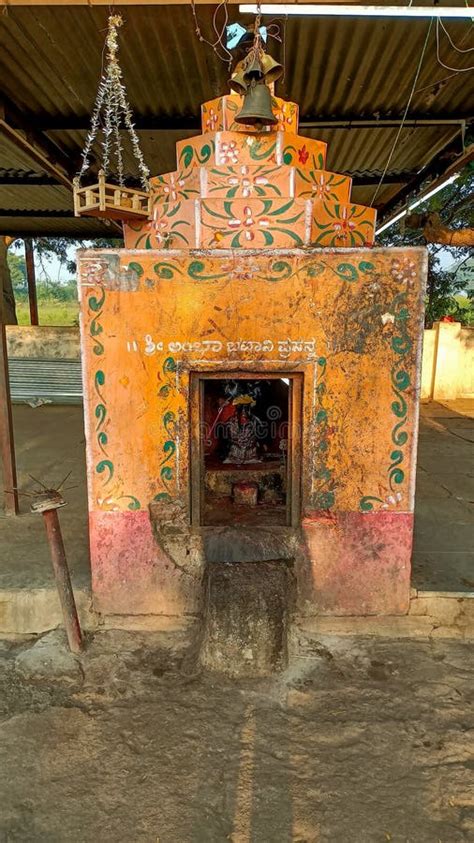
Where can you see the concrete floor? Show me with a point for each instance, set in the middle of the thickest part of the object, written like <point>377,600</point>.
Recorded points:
<point>50,443</point>
<point>359,741</point>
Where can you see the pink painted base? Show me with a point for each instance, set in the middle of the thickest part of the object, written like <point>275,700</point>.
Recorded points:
<point>356,564</point>
<point>131,575</point>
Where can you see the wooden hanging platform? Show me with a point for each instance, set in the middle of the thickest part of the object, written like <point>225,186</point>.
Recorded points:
<point>111,201</point>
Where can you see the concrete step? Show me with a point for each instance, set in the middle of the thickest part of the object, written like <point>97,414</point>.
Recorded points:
<point>32,611</point>
<point>431,615</point>
<point>247,607</point>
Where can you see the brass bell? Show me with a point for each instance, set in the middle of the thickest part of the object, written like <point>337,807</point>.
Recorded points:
<point>257,106</point>
<point>237,82</point>
<point>272,70</point>
<point>253,69</point>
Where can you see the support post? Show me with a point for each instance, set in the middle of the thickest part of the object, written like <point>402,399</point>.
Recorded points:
<point>31,280</point>
<point>6,430</point>
<point>48,504</point>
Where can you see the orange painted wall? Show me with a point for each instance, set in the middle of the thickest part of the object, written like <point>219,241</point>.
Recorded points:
<point>350,320</point>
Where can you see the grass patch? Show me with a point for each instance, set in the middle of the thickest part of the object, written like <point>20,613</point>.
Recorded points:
<point>50,312</point>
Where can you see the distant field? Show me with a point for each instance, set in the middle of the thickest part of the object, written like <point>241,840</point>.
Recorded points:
<point>50,313</point>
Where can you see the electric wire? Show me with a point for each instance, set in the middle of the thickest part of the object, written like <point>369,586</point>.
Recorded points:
<point>453,45</point>
<point>400,128</point>
<point>446,66</point>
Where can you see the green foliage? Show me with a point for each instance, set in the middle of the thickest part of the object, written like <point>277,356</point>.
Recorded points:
<point>57,300</point>
<point>450,270</point>
<point>17,266</point>
<point>444,296</point>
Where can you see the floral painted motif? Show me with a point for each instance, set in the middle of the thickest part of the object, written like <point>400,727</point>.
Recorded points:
<point>212,120</point>
<point>171,190</point>
<point>169,228</point>
<point>287,116</point>
<point>246,182</point>
<point>323,493</point>
<point>303,154</point>
<point>264,222</point>
<point>401,345</point>
<point>167,387</point>
<point>342,225</point>
<point>248,222</point>
<point>229,152</point>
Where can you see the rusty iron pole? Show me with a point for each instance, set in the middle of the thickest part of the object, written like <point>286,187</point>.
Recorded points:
<point>7,444</point>
<point>31,280</point>
<point>48,504</point>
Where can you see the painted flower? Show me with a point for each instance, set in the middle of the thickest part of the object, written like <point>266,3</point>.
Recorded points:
<point>320,188</point>
<point>246,182</point>
<point>229,153</point>
<point>241,270</point>
<point>403,269</point>
<point>343,226</point>
<point>303,154</point>
<point>392,500</point>
<point>170,189</point>
<point>283,119</point>
<point>386,318</point>
<point>212,120</point>
<point>160,230</point>
<point>96,271</point>
<point>248,222</point>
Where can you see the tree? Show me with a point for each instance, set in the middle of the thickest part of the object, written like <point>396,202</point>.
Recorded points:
<point>7,298</point>
<point>14,270</point>
<point>17,266</point>
<point>47,247</point>
<point>451,211</point>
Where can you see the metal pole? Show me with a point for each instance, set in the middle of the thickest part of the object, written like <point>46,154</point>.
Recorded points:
<point>47,504</point>
<point>31,279</point>
<point>7,444</point>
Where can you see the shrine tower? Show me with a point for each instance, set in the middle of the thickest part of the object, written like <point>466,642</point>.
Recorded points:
<point>238,188</point>
<point>251,280</point>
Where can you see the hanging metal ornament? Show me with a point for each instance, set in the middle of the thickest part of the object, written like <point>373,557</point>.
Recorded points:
<point>112,112</point>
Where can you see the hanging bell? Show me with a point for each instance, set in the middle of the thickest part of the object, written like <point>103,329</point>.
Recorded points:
<point>272,70</point>
<point>238,83</point>
<point>257,106</point>
<point>253,70</point>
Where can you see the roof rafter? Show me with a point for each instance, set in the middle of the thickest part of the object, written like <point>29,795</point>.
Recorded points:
<point>442,166</point>
<point>66,123</point>
<point>26,180</point>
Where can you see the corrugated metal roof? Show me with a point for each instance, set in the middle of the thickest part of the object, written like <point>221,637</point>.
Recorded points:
<point>53,381</point>
<point>50,60</point>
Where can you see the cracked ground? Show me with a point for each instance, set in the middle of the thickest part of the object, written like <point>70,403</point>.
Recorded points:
<point>360,740</point>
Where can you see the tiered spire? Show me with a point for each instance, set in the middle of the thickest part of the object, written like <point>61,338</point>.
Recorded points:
<point>249,187</point>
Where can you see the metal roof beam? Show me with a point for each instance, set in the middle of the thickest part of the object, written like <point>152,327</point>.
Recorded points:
<point>72,123</point>
<point>22,180</point>
<point>27,135</point>
<point>29,212</point>
<point>361,180</point>
<point>36,153</point>
<point>443,165</point>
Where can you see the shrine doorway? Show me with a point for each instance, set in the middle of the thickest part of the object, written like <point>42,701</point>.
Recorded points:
<point>245,448</point>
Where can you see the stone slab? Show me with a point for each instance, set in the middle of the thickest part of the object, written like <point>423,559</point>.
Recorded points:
<point>246,615</point>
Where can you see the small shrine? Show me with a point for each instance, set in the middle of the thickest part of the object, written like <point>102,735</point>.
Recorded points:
<point>251,368</point>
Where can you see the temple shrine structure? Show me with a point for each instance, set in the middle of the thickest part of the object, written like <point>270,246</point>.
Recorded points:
<point>251,378</point>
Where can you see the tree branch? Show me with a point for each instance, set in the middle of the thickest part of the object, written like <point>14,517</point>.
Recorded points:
<point>434,231</point>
